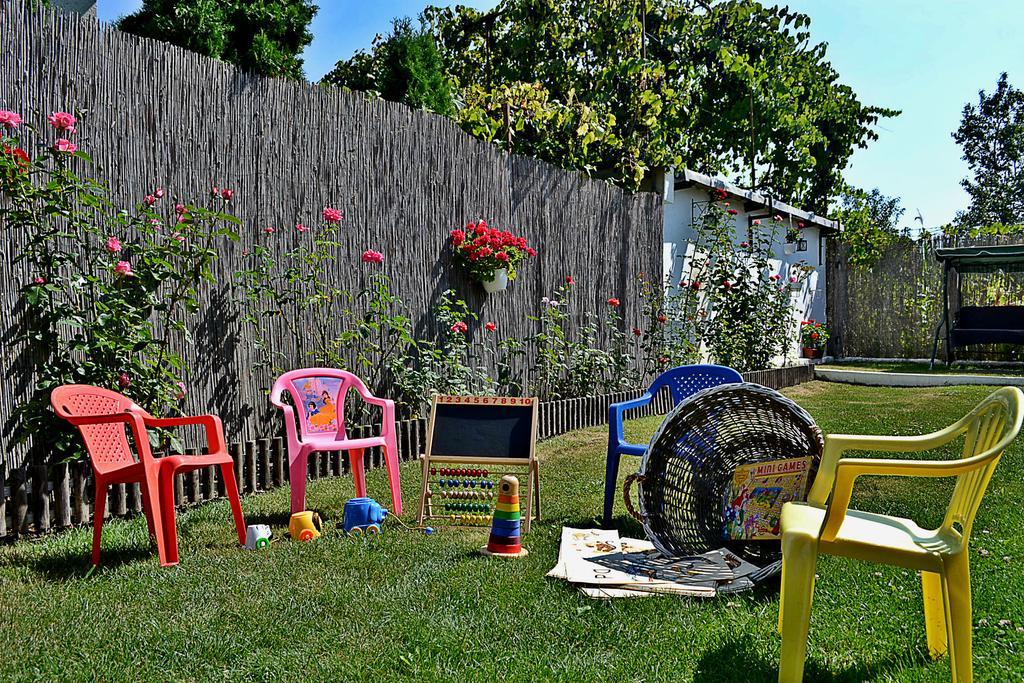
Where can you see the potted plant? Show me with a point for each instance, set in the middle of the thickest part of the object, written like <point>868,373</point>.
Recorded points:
<point>813,336</point>
<point>489,255</point>
<point>792,238</point>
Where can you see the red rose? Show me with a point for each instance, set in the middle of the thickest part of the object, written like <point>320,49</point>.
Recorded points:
<point>479,241</point>
<point>569,280</point>
<point>613,302</point>
<point>460,327</point>
<point>814,335</point>
<point>490,327</point>
<point>726,284</point>
<point>662,318</point>
<point>530,251</point>
<point>744,245</point>
<point>733,212</point>
<point>637,332</point>
<point>695,285</point>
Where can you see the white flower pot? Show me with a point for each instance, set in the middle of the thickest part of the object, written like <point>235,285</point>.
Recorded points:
<point>789,248</point>
<point>498,284</point>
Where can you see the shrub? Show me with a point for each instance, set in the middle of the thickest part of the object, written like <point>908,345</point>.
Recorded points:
<point>110,291</point>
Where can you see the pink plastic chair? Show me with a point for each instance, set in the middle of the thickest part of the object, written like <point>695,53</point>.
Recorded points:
<point>101,416</point>
<point>319,395</point>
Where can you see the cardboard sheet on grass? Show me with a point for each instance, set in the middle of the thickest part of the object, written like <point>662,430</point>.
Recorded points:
<point>605,566</point>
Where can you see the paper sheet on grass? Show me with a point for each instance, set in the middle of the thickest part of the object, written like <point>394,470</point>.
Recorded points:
<point>598,558</point>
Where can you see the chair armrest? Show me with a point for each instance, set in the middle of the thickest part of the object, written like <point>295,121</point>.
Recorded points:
<point>388,406</point>
<point>215,441</point>
<point>837,444</point>
<point>848,469</point>
<point>616,410</point>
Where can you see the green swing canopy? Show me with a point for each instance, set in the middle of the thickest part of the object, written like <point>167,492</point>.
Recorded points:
<point>966,325</point>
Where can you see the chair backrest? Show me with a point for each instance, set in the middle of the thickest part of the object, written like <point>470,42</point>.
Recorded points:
<point>686,380</point>
<point>107,444</point>
<point>319,398</point>
<point>988,430</point>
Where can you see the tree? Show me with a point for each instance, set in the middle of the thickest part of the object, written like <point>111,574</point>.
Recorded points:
<point>992,137</point>
<point>624,87</point>
<point>405,67</point>
<point>264,36</point>
<point>870,224</point>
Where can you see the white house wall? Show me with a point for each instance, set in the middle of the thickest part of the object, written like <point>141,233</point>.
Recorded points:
<point>809,301</point>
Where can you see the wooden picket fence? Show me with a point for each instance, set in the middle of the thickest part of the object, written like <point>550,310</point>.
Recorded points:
<point>39,499</point>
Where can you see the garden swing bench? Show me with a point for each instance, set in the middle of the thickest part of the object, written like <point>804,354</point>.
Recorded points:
<point>966,325</point>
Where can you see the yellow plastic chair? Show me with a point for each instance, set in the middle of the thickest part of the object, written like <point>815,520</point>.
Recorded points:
<point>824,526</point>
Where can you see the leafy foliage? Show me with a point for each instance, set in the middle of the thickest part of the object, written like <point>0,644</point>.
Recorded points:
<point>869,221</point>
<point>406,67</point>
<point>992,137</point>
<point>263,36</point>
<point>111,292</point>
<point>621,88</point>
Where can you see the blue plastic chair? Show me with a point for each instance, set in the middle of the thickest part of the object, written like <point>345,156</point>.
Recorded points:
<point>682,382</point>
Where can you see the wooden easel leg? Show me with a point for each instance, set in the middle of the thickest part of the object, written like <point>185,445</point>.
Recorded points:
<point>536,485</point>
<point>423,491</point>
<point>528,508</point>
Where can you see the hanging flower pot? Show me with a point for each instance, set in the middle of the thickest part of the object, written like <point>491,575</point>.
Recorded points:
<point>489,255</point>
<point>789,248</point>
<point>498,284</point>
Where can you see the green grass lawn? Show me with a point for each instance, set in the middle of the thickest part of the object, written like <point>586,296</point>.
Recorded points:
<point>939,369</point>
<point>404,606</point>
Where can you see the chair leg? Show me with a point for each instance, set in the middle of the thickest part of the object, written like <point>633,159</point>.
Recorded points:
<point>391,461</point>
<point>231,489</point>
<point>799,559</point>
<point>147,509</point>
<point>957,584</point>
<point>934,614</point>
<point>169,551</point>
<point>355,461</point>
<point>297,473</point>
<point>611,476</point>
<point>152,498</point>
<point>99,509</point>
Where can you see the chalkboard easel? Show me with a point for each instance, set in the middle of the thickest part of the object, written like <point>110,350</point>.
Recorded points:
<point>478,439</point>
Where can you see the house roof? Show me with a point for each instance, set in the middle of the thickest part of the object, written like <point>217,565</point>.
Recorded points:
<point>770,204</point>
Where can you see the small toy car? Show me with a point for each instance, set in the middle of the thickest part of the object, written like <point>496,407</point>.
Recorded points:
<point>363,515</point>
<point>304,526</point>
<point>257,536</point>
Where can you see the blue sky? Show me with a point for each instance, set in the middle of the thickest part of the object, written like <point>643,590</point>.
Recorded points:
<point>925,57</point>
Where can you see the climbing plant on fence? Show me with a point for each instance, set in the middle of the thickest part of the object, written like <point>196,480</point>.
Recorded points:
<point>110,290</point>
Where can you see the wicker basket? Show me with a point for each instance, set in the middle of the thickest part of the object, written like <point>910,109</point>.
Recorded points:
<point>687,471</point>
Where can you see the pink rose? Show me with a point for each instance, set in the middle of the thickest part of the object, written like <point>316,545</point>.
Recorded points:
<point>756,222</point>
<point>268,230</point>
<point>490,327</point>
<point>332,215</point>
<point>65,145</point>
<point>179,209</point>
<point>124,269</point>
<point>9,119</point>
<point>61,120</point>
<point>371,256</point>
<point>300,227</point>
<point>159,192</point>
<point>792,280</point>
<point>39,281</point>
<point>149,200</point>
<point>113,244</point>
<point>744,245</point>
<point>227,195</point>
<point>155,222</point>
<point>178,237</point>
<point>460,327</point>
<point>124,381</point>
<point>181,391</point>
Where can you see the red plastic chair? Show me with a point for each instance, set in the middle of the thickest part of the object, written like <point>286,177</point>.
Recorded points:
<point>319,394</point>
<point>100,416</point>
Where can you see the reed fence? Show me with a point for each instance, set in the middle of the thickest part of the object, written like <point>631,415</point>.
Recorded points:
<point>37,499</point>
<point>154,115</point>
<point>891,310</point>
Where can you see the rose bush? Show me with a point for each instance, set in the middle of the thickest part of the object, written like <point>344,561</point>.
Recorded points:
<point>109,293</point>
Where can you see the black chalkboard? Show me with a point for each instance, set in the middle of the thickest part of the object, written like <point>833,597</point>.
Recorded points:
<point>482,430</point>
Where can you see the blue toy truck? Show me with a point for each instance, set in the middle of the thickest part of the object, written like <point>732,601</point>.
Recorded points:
<point>363,516</point>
